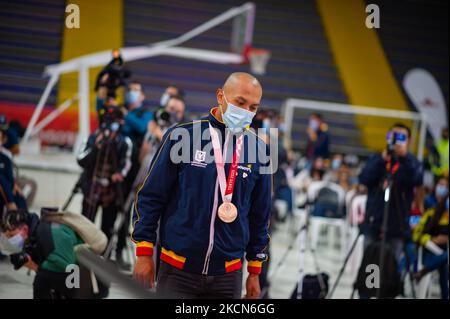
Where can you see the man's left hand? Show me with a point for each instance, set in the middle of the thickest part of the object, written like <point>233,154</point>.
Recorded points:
<point>17,190</point>
<point>252,287</point>
<point>30,264</point>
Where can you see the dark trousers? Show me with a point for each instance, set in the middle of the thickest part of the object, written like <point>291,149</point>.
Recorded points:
<point>127,189</point>
<point>109,214</point>
<point>123,233</point>
<point>174,283</point>
<point>51,285</point>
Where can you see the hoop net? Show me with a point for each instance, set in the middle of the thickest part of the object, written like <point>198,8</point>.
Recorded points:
<point>258,59</point>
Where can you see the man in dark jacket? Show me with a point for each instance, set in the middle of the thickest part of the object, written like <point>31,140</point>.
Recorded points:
<point>407,173</point>
<point>207,223</point>
<point>10,194</point>
<point>106,161</point>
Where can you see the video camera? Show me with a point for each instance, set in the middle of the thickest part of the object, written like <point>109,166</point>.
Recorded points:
<point>116,75</point>
<point>164,119</point>
<point>110,118</point>
<point>395,138</point>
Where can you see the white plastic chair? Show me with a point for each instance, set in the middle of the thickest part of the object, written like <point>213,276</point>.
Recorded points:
<point>330,223</point>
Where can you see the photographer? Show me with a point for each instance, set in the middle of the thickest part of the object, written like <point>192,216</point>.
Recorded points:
<point>170,91</point>
<point>405,171</point>
<point>106,160</point>
<point>47,248</point>
<point>172,113</point>
<point>136,115</point>
<point>111,77</point>
<point>136,120</point>
<point>164,118</point>
<point>10,194</point>
<point>407,174</point>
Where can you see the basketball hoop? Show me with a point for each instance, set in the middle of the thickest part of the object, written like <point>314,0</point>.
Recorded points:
<point>258,59</point>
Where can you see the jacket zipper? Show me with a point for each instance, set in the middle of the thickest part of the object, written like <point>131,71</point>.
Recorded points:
<point>214,213</point>
<point>211,231</point>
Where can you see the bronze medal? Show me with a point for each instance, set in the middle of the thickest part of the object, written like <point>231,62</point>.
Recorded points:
<point>227,212</point>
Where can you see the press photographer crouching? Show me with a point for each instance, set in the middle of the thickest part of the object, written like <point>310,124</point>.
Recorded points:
<point>106,161</point>
<point>48,246</point>
<point>390,178</point>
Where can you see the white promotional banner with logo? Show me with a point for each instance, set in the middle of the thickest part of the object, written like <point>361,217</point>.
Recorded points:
<point>424,91</point>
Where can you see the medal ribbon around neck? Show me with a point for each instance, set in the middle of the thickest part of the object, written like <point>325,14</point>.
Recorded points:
<point>226,185</point>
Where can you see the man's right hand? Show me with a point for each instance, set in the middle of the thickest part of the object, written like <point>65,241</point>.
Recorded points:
<point>11,206</point>
<point>98,140</point>
<point>386,156</point>
<point>144,271</point>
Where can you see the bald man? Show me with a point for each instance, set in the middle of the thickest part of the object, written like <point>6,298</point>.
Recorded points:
<point>209,188</point>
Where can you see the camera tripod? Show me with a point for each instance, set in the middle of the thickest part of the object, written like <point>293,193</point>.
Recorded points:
<point>301,236</point>
<point>387,190</point>
<point>94,196</point>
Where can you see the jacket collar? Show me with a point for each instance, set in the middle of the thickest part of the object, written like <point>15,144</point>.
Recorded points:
<point>213,120</point>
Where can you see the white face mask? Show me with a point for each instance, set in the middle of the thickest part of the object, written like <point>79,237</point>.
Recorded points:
<point>13,245</point>
<point>164,99</point>
<point>236,118</point>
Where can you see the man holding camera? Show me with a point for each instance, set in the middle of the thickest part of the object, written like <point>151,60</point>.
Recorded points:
<point>171,114</point>
<point>47,246</point>
<point>106,160</point>
<point>164,118</point>
<point>170,91</point>
<point>405,172</point>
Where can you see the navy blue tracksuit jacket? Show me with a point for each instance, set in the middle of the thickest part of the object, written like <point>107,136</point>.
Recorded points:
<point>184,196</point>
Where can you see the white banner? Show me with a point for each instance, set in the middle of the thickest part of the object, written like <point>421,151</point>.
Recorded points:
<point>423,90</point>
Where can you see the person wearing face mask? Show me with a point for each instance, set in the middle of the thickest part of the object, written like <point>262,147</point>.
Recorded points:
<point>440,192</point>
<point>405,172</point>
<point>47,248</point>
<point>170,91</point>
<point>106,160</point>
<point>136,119</point>
<point>212,203</point>
<point>432,233</point>
<point>336,163</point>
<point>174,111</point>
<point>318,138</point>
<point>136,115</point>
